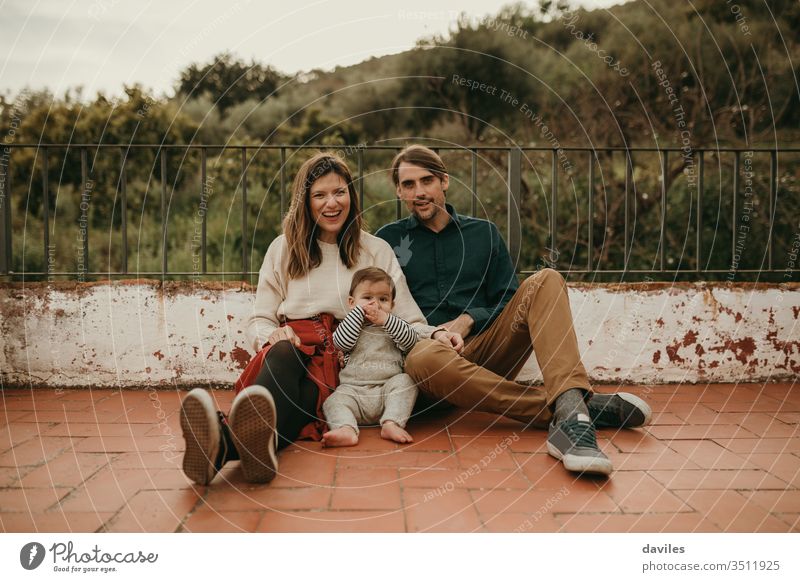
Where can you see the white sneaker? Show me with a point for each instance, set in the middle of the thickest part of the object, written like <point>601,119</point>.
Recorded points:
<point>205,452</point>
<point>252,426</point>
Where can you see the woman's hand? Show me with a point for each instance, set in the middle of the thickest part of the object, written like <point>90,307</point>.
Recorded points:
<point>449,338</point>
<point>284,333</point>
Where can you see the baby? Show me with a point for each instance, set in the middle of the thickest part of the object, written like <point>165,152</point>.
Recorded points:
<point>372,385</point>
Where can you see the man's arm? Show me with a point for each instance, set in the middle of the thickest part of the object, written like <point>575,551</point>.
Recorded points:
<point>348,331</point>
<point>501,284</point>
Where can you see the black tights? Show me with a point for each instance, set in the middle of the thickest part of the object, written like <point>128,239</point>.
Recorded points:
<point>285,375</point>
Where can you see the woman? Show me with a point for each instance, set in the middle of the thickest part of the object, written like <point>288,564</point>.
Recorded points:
<point>302,292</point>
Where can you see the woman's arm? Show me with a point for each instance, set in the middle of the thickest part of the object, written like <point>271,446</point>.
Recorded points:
<point>269,296</point>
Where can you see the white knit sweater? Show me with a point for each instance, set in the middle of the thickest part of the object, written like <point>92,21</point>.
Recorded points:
<point>324,289</point>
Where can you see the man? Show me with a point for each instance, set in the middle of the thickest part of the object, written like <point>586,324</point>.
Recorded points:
<point>460,273</point>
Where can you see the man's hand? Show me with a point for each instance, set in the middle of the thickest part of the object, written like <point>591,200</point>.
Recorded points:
<point>461,325</point>
<point>449,338</point>
<point>284,333</point>
<point>375,314</point>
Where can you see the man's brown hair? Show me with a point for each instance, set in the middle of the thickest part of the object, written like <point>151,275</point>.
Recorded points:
<point>419,156</point>
<point>371,275</point>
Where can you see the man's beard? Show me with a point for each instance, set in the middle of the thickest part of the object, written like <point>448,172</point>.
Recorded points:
<point>426,212</point>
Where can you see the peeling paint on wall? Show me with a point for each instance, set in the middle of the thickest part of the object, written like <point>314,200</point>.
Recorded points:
<point>141,333</point>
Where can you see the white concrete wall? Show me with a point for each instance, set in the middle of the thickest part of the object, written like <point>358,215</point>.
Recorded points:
<point>145,334</point>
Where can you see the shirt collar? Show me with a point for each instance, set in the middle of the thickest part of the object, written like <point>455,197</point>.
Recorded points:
<point>412,222</point>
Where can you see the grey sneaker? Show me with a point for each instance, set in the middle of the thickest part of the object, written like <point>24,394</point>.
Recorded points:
<point>206,450</point>
<point>252,425</point>
<point>621,410</point>
<point>574,442</point>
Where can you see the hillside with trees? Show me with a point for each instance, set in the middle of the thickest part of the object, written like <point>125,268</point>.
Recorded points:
<point>653,74</point>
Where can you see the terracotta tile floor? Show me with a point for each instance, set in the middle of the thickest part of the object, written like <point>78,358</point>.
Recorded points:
<point>716,458</point>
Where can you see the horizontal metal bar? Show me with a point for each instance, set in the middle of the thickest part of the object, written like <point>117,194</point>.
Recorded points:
<point>131,275</point>
<point>465,148</point>
<point>523,272</point>
<point>657,272</point>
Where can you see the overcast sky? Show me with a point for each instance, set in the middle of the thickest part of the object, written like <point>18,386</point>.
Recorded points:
<point>103,44</point>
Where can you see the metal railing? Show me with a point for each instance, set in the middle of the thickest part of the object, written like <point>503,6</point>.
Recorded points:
<point>515,166</point>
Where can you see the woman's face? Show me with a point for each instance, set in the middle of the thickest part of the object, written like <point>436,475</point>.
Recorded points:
<point>329,200</point>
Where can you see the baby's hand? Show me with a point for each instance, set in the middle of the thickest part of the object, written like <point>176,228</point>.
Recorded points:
<point>375,314</point>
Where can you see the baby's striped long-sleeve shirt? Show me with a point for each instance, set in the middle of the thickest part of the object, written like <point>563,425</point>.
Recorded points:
<point>349,330</point>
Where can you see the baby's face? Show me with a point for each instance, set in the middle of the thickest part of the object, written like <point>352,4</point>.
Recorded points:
<point>377,293</point>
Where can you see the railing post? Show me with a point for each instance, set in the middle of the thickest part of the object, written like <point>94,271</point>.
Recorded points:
<point>360,179</point>
<point>736,162</point>
<point>398,204</point>
<point>701,174</point>
<point>590,234</point>
<point>514,200</point>
<point>45,204</point>
<point>283,182</point>
<point>626,235</point>
<point>204,208</point>
<point>163,212</point>
<point>245,244</point>
<point>553,252</point>
<point>474,183</point>
<point>663,219</point>
<point>5,213</point>
<point>86,192</point>
<point>773,196</point>
<point>123,194</point>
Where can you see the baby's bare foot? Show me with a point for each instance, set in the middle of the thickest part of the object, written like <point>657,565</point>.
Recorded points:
<point>341,437</point>
<point>392,432</point>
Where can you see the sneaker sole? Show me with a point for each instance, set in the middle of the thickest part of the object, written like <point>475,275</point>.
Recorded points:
<point>640,416</point>
<point>201,432</point>
<point>641,405</point>
<point>252,424</point>
<point>579,464</point>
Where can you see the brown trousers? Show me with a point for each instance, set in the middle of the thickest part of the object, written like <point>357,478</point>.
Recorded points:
<point>538,319</point>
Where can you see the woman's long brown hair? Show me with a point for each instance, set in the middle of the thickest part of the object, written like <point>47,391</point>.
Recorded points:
<point>300,229</point>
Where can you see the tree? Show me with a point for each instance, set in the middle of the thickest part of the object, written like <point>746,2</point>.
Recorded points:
<point>229,81</point>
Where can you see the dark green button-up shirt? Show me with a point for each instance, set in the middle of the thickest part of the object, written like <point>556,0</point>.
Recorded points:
<point>465,268</point>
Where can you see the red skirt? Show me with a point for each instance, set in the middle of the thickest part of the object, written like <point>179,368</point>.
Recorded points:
<point>316,337</point>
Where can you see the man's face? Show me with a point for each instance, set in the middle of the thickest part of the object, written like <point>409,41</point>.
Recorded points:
<point>422,191</point>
